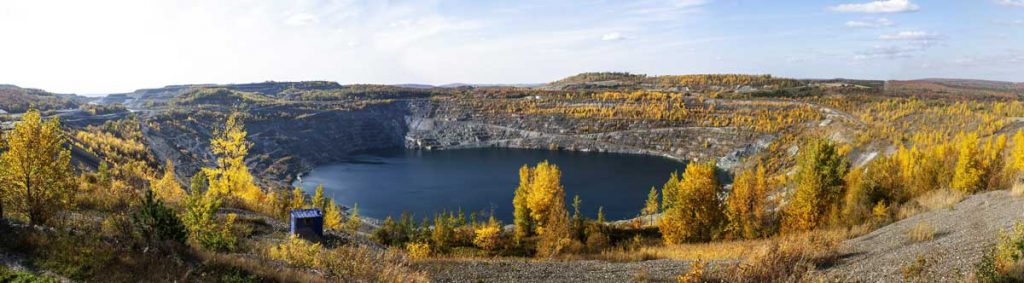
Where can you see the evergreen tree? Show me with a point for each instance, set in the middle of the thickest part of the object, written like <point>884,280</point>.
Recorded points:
<point>35,171</point>
<point>651,206</point>
<point>354,222</point>
<point>200,182</point>
<point>669,191</point>
<point>818,186</point>
<point>523,223</point>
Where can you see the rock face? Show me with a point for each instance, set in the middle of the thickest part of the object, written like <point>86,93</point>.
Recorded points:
<point>292,138</point>
<point>282,147</point>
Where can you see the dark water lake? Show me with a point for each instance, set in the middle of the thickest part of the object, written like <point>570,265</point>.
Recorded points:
<point>423,182</point>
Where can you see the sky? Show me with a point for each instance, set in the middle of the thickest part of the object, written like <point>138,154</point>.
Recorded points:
<point>111,46</point>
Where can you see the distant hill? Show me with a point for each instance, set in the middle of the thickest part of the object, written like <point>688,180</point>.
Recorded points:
<point>698,82</point>
<point>14,99</point>
<point>956,88</point>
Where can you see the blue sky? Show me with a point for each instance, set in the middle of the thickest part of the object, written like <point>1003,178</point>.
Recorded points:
<point>93,47</point>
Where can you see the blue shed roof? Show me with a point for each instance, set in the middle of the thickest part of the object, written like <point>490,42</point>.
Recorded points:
<point>307,213</point>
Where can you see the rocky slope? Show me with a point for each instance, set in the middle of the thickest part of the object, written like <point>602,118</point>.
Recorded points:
<point>963,234</point>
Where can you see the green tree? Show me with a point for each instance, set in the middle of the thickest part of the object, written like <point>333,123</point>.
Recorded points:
<point>200,182</point>
<point>523,223</point>
<point>651,206</point>
<point>35,171</point>
<point>203,231</point>
<point>818,186</point>
<point>669,191</point>
<point>157,222</point>
<point>354,222</point>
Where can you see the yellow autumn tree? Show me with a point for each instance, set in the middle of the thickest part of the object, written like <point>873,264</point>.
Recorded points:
<point>167,188</point>
<point>746,206</point>
<point>818,187</point>
<point>319,201</point>
<point>696,211</point>
<point>1016,162</point>
<point>967,175</point>
<point>231,177</point>
<point>488,236</point>
<point>545,193</point>
<point>298,199</point>
<point>332,216</point>
<point>35,169</point>
<point>540,207</point>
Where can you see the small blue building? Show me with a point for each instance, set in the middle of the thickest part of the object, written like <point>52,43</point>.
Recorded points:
<point>307,223</point>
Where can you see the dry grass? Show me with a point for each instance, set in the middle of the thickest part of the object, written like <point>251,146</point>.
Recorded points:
<point>259,267</point>
<point>729,250</point>
<point>932,200</point>
<point>922,232</point>
<point>1017,189</point>
<point>789,258</point>
<point>696,273</point>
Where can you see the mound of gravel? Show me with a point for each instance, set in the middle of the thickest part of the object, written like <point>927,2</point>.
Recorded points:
<point>963,234</point>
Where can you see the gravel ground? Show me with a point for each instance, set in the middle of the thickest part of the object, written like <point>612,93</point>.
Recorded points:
<point>521,270</point>
<point>962,235</point>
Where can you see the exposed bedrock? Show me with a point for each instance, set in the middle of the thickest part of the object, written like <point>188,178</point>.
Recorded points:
<point>286,147</point>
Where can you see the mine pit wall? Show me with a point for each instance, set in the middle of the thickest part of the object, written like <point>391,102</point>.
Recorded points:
<point>284,148</point>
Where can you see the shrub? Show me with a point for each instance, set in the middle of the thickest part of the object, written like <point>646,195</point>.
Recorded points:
<point>345,263</point>
<point>921,232</point>
<point>695,274</point>
<point>790,258</point>
<point>488,236</point>
<point>915,271</point>
<point>418,250</point>
<point>17,276</point>
<point>154,221</point>
<point>1005,262</point>
<point>200,209</point>
<point>296,251</point>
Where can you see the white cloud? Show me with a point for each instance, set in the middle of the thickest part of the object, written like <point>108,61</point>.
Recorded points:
<point>301,19</point>
<point>876,23</point>
<point>890,52</point>
<point>910,35</point>
<point>1013,3</point>
<point>881,6</point>
<point>612,36</point>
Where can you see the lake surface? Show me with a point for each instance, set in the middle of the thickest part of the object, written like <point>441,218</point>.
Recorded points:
<point>423,182</point>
